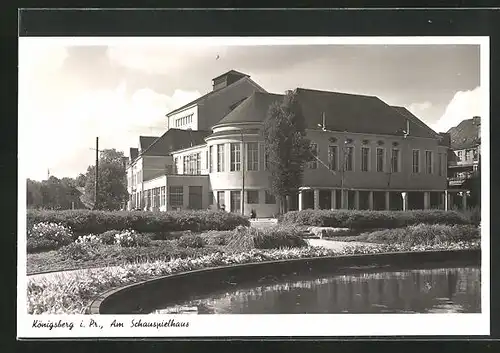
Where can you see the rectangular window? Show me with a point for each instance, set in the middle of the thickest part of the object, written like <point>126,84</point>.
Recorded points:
<point>270,198</point>
<point>332,157</point>
<point>380,159</point>
<point>176,167</point>
<point>428,162</point>
<point>210,159</point>
<point>314,150</point>
<point>220,198</point>
<point>468,155</point>
<point>349,158</point>
<point>252,156</point>
<point>365,158</point>
<point>459,156</point>
<point>185,161</point>
<point>198,163</point>
<point>163,196</point>
<point>235,157</point>
<point>206,159</point>
<point>395,161</point>
<point>416,161</point>
<point>253,196</point>
<point>176,196</point>
<point>475,154</point>
<point>220,158</point>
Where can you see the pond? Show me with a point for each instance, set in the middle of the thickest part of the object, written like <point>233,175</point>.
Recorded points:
<point>430,290</point>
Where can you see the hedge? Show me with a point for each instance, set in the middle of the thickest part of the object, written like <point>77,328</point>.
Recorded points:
<point>355,219</point>
<point>96,222</point>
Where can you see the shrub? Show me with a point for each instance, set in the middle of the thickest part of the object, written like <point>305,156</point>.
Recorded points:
<point>356,219</point>
<point>424,234</point>
<point>48,236</point>
<point>109,237</point>
<point>473,214</point>
<point>97,222</point>
<point>89,238</point>
<point>130,239</point>
<point>269,238</point>
<point>191,241</point>
<point>80,251</point>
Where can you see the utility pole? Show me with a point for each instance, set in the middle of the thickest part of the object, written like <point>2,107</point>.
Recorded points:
<point>96,193</point>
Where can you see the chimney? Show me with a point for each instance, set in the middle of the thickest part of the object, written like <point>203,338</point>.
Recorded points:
<point>324,121</point>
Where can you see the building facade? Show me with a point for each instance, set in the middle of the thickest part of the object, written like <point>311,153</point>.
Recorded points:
<point>465,161</point>
<point>368,155</point>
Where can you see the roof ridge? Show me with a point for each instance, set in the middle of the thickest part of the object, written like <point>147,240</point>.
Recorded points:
<point>336,92</point>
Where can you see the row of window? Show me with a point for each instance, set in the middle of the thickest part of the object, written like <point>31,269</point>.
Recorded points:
<point>334,159</point>
<point>135,178</point>
<point>469,155</point>
<point>155,198</point>
<point>188,119</point>
<point>380,160</point>
<point>217,152</point>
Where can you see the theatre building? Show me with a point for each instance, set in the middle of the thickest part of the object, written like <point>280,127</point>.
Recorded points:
<point>369,155</point>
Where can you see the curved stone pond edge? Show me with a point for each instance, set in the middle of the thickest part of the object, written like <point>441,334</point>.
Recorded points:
<point>141,297</point>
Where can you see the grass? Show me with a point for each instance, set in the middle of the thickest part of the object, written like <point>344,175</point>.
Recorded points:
<point>71,293</point>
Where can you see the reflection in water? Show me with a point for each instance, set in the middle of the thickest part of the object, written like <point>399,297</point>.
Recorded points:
<point>443,290</point>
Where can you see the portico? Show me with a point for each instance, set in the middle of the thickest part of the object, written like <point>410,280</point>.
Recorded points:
<point>362,199</point>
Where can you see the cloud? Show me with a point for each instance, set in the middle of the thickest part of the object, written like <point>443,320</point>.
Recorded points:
<point>463,105</point>
<point>68,136</point>
<point>417,108</point>
<point>165,59</point>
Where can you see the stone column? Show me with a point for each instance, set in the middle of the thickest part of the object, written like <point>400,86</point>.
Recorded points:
<point>405,201</point>
<point>464,200</point>
<point>316,199</point>
<point>447,200</point>
<point>387,200</point>
<point>333,199</point>
<point>356,200</point>
<point>427,200</point>
<point>300,200</point>
<point>370,200</point>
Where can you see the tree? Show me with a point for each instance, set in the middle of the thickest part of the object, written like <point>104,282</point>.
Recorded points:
<point>53,193</point>
<point>287,147</point>
<point>112,189</point>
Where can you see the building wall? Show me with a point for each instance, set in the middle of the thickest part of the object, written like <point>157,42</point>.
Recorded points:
<point>187,152</point>
<point>186,182</point>
<point>216,106</point>
<point>371,179</point>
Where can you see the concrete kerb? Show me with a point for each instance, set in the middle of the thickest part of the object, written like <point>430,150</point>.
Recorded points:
<point>133,298</point>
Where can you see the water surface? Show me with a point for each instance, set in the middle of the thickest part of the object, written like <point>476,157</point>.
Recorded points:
<point>437,290</point>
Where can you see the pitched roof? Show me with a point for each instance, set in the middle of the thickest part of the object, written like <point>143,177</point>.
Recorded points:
<point>406,113</point>
<point>252,109</point>
<point>343,112</point>
<point>134,152</point>
<point>205,96</point>
<point>465,134</point>
<point>146,141</point>
<point>175,139</point>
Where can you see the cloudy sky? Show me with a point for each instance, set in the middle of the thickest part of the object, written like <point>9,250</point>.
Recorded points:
<point>70,93</point>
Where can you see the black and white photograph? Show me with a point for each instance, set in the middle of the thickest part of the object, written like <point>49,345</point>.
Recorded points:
<point>187,186</point>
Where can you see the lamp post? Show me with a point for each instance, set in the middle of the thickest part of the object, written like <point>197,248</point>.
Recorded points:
<point>242,174</point>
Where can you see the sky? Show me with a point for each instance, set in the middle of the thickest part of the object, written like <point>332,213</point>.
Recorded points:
<point>69,93</point>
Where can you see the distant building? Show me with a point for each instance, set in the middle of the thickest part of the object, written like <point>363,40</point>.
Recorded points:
<point>369,155</point>
<point>464,159</point>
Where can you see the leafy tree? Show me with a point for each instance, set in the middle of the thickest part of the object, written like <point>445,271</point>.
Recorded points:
<point>286,146</point>
<point>112,187</point>
<point>54,193</point>
<point>81,180</point>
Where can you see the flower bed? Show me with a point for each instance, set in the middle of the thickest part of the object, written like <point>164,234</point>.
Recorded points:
<point>71,293</point>
<point>83,222</point>
<point>355,219</point>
